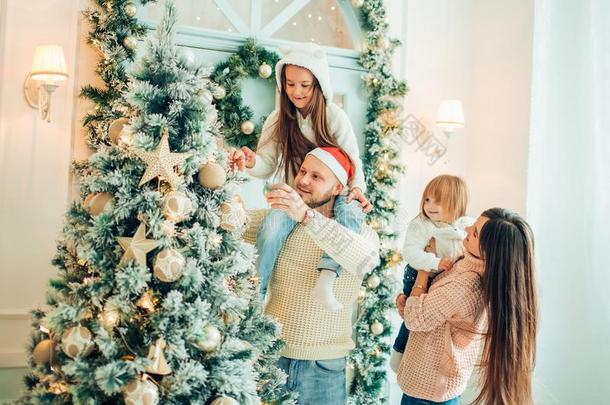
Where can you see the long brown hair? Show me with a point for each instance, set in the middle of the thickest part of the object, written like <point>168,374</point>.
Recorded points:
<point>509,292</point>
<point>292,144</point>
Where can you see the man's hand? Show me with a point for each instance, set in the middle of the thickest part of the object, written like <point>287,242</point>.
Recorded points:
<point>401,301</point>
<point>285,198</point>
<point>358,195</point>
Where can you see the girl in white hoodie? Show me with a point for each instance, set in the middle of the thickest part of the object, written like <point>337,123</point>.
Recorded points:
<point>306,119</point>
<point>442,217</point>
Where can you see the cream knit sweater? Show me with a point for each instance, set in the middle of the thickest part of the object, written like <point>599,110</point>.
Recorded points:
<point>310,331</point>
<point>446,332</point>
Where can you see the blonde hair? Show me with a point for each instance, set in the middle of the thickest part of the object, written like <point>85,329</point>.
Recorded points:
<point>450,192</point>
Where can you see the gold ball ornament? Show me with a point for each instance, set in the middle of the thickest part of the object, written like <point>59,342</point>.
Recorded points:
<point>373,281</point>
<point>130,42</point>
<point>247,127</point>
<point>77,342</point>
<point>116,128</point>
<point>395,259</point>
<point>169,265</point>
<point>264,70</point>
<point>219,93</point>
<point>211,341</point>
<point>176,206</point>
<point>141,392</point>
<point>205,94</point>
<point>110,316</point>
<point>58,387</point>
<point>212,176</point>
<point>376,328</point>
<point>233,216</point>
<point>147,301</point>
<point>45,352</point>
<point>96,203</point>
<point>224,401</point>
<point>130,9</point>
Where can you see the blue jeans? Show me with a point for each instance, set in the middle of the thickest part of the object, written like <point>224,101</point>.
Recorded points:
<point>276,227</point>
<point>316,381</point>
<point>408,281</point>
<point>407,400</point>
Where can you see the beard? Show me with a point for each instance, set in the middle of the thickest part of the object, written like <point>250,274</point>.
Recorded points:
<point>322,200</point>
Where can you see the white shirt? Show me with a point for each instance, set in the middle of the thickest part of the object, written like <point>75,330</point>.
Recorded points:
<point>449,242</point>
<point>267,155</point>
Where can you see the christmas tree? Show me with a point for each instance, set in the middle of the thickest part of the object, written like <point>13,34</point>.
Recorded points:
<point>155,299</point>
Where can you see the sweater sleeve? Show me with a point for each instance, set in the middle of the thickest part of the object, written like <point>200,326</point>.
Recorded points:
<point>357,253</point>
<point>453,300</point>
<point>416,239</point>
<point>255,219</point>
<point>267,159</point>
<point>344,134</point>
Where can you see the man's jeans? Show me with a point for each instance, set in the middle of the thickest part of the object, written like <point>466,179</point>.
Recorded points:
<point>316,381</point>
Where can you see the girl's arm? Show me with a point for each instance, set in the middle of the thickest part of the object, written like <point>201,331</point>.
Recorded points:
<point>415,242</point>
<point>266,150</point>
<point>344,134</point>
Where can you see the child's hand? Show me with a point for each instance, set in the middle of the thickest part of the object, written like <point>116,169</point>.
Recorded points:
<point>249,156</point>
<point>237,159</point>
<point>401,301</point>
<point>445,264</point>
<point>358,195</point>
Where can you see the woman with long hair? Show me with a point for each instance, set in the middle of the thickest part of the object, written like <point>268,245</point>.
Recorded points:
<point>487,299</point>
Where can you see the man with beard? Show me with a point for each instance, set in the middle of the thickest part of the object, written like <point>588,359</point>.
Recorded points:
<point>317,340</point>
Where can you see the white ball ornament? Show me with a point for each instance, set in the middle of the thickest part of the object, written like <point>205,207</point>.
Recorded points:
<point>247,127</point>
<point>169,265</point>
<point>130,42</point>
<point>77,342</point>
<point>212,176</point>
<point>357,3</point>
<point>96,203</point>
<point>130,9</point>
<point>373,281</point>
<point>224,401</point>
<point>176,206</point>
<point>219,93</point>
<point>232,215</point>
<point>141,392</point>
<point>212,338</point>
<point>264,70</point>
<point>116,128</point>
<point>376,328</point>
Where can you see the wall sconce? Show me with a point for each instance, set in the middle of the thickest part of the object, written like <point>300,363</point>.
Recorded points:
<point>450,116</point>
<point>48,69</point>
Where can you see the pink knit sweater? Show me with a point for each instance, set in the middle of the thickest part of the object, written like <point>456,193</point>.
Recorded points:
<point>446,332</point>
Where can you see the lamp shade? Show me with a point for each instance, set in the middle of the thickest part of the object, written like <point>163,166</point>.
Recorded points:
<point>49,64</point>
<point>450,115</point>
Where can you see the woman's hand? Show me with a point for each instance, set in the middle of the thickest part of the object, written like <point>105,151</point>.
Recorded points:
<point>358,195</point>
<point>445,264</point>
<point>285,198</point>
<point>250,157</point>
<point>401,301</point>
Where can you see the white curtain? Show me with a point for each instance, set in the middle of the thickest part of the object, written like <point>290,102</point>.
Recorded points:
<point>569,199</point>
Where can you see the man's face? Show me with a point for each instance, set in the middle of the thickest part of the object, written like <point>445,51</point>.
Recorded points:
<point>316,183</point>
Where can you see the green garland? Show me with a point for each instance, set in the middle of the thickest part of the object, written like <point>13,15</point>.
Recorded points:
<point>233,114</point>
<point>381,168</point>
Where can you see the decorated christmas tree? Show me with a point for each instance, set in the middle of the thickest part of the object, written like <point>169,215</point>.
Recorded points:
<point>155,299</point>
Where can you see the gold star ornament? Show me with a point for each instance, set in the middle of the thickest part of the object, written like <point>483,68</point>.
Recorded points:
<point>161,162</point>
<point>136,247</point>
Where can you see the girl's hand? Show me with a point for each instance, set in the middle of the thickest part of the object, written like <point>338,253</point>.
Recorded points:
<point>237,159</point>
<point>401,301</point>
<point>445,264</point>
<point>358,195</point>
<point>250,157</point>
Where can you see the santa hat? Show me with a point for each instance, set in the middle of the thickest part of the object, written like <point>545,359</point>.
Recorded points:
<point>337,161</point>
<point>310,56</point>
